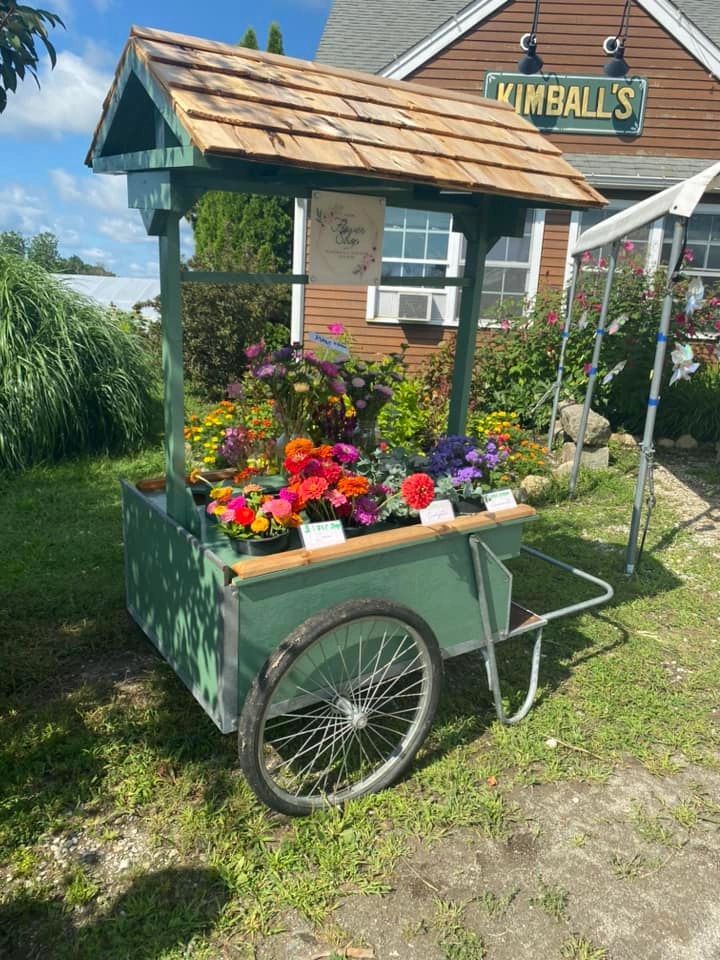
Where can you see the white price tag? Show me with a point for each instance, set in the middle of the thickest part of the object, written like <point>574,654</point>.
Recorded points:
<point>324,534</point>
<point>499,500</point>
<point>439,511</point>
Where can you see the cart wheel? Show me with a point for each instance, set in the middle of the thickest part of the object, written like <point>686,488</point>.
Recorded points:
<point>341,708</point>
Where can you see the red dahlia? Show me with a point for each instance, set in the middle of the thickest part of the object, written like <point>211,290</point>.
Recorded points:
<point>418,491</point>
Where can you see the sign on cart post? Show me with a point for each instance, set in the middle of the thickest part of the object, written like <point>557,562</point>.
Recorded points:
<point>346,235</point>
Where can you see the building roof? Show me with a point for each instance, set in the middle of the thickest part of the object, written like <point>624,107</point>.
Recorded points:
<point>607,171</point>
<point>241,103</point>
<point>121,292</point>
<point>370,35</point>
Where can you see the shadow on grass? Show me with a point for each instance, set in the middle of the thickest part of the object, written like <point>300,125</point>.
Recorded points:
<point>159,912</point>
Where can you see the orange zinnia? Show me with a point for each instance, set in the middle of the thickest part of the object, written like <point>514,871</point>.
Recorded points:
<point>353,486</point>
<point>323,452</point>
<point>301,446</point>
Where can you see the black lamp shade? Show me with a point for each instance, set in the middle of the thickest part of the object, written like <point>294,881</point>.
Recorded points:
<point>530,62</point>
<point>616,65</point>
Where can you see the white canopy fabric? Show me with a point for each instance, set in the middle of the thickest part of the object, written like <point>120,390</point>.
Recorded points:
<point>120,292</point>
<point>679,200</point>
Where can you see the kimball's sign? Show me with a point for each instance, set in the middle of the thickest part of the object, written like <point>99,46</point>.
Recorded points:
<point>573,104</point>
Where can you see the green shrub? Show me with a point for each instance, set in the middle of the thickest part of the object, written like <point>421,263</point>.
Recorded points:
<point>73,377</point>
<point>408,421</point>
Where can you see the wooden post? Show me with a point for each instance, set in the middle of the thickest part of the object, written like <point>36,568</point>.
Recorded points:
<point>478,244</point>
<point>180,504</point>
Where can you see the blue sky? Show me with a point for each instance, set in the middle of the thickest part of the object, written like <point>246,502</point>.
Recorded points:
<point>44,134</point>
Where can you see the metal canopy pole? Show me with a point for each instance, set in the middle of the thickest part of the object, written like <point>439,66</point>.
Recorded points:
<point>180,504</point>
<point>477,247</point>
<point>563,347</point>
<point>646,447</point>
<point>592,377</point>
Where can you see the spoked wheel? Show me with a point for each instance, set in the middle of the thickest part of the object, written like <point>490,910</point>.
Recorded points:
<point>341,709</point>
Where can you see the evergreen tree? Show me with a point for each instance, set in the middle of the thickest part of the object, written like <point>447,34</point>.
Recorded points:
<point>235,227</point>
<point>12,242</point>
<point>249,40</point>
<point>275,43</point>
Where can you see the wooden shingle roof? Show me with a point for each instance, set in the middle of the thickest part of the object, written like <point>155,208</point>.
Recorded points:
<point>261,107</point>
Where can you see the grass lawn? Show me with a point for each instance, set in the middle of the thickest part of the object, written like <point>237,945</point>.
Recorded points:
<point>126,829</point>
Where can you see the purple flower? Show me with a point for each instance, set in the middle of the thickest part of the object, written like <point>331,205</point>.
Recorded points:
<point>365,512</point>
<point>265,371</point>
<point>360,404</point>
<point>357,382</point>
<point>313,468</point>
<point>283,354</point>
<point>329,369</point>
<point>338,386</point>
<point>234,390</point>
<point>345,453</point>
<point>254,350</point>
<point>466,475</point>
<point>384,391</point>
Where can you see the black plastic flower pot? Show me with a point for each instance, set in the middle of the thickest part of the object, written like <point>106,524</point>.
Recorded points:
<point>261,546</point>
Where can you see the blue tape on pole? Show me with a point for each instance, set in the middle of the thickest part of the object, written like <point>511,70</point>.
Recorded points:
<point>560,369</point>
<point>566,334</point>
<point>653,403</point>
<point>661,338</point>
<point>593,371</point>
<point>599,331</point>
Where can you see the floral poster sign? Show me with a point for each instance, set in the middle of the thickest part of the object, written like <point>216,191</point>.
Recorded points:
<point>346,233</point>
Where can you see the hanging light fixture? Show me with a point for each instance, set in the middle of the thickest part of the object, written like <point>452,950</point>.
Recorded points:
<point>530,62</point>
<point>614,47</point>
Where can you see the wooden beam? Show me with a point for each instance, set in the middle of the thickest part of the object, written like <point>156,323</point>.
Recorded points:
<point>273,279</point>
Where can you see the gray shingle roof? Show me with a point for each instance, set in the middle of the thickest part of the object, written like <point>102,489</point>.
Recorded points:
<point>609,170</point>
<point>370,34</point>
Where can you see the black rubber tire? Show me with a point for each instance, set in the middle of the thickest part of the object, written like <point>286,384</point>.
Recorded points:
<point>252,719</point>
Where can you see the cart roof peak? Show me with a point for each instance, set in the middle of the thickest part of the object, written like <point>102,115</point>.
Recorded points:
<point>203,99</point>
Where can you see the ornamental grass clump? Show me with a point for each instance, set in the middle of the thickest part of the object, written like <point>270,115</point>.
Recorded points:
<point>74,378</point>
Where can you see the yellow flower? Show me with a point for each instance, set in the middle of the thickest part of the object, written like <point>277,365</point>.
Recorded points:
<point>260,524</point>
<point>208,459</point>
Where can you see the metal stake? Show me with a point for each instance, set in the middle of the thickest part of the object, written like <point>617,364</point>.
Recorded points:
<point>563,346</point>
<point>647,447</point>
<point>599,333</point>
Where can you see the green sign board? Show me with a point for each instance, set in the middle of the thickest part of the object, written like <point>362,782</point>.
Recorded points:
<point>573,104</point>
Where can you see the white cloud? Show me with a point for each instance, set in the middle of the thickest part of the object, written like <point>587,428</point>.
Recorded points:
<point>103,192</point>
<point>69,100</point>
<point>126,229</point>
<point>21,210</point>
<point>95,254</point>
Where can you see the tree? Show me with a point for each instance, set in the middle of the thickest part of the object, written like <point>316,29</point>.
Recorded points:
<point>20,28</point>
<point>234,227</point>
<point>77,265</point>
<point>275,42</point>
<point>249,40</point>
<point>43,250</point>
<point>12,242</point>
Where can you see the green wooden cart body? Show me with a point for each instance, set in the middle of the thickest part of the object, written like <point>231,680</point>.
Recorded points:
<point>217,630</point>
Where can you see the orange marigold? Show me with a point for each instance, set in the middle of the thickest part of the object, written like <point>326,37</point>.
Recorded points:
<point>353,486</point>
<point>300,446</point>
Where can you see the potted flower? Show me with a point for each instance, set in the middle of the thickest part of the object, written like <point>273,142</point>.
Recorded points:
<point>462,464</point>
<point>256,523</point>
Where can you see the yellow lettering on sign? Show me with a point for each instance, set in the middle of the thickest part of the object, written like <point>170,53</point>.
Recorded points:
<point>602,113</point>
<point>554,100</point>
<point>505,92</point>
<point>625,97</point>
<point>572,103</point>
<point>587,113</point>
<point>534,98</point>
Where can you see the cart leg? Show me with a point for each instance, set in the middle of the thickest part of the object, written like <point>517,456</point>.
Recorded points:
<point>488,653</point>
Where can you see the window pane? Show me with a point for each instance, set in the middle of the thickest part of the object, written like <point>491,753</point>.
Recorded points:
<point>713,259</point>
<point>499,251</point>
<point>390,269</point>
<point>394,217</point>
<point>416,219</point>
<point>392,243</point>
<point>439,221</point>
<point>699,228</point>
<point>515,281</point>
<point>414,246</point>
<point>518,249</point>
<point>437,246</point>
<point>493,280</point>
<point>488,302</point>
<point>435,270</point>
<point>412,270</point>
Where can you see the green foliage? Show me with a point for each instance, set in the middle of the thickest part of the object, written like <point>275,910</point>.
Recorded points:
<point>20,28</point>
<point>12,242</point>
<point>249,40</point>
<point>73,377</point>
<point>219,322</point>
<point>43,250</point>
<point>275,40</point>
<point>408,421</point>
<point>232,227</point>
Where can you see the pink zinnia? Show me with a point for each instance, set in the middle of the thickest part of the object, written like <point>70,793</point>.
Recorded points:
<point>345,453</point>
<point>628,246</point>
<point>551,319</point>
<point>227,515</point>
<point>336,328</point>
<point>336,498</point>
<point>688,256</point>
<point>504,324</point>
<point>254,350</point>
<point>278,508</point>
<point>236,503</point>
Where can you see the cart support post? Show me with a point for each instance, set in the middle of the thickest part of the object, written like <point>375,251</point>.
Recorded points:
<point>647,447</point>
<point>592,377</point>
<point>563,347</point>
<point>179,499</point>
<point>478,244</point>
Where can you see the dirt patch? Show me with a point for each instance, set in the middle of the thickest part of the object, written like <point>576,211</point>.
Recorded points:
<point>691,485</point>
<point>630,867</point>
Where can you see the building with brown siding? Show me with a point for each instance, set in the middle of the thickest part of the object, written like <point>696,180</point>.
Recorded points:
<point>673,46</point>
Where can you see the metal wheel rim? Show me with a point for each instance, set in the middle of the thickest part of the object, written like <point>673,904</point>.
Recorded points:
<point>387,686</point>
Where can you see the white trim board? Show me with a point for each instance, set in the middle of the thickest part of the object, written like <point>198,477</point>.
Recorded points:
<point>297,309</point>
<point>666,13</point>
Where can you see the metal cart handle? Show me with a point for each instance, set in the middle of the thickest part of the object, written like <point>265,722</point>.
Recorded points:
<point>607,594</point>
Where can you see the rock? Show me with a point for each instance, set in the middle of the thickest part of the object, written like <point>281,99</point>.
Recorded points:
<point>625,440</point>
<point>597,432</point>
<point>534,486</point>
<point>665,442</point>
<point>563,469</point>
<point>593,458</point>
<point>686,442</point>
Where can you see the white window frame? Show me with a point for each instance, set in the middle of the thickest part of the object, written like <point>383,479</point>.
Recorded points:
<point>454,266</point>
<point>712,209</point>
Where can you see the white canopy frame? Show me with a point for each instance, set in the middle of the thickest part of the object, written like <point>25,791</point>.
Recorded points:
<point>680,202</point>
